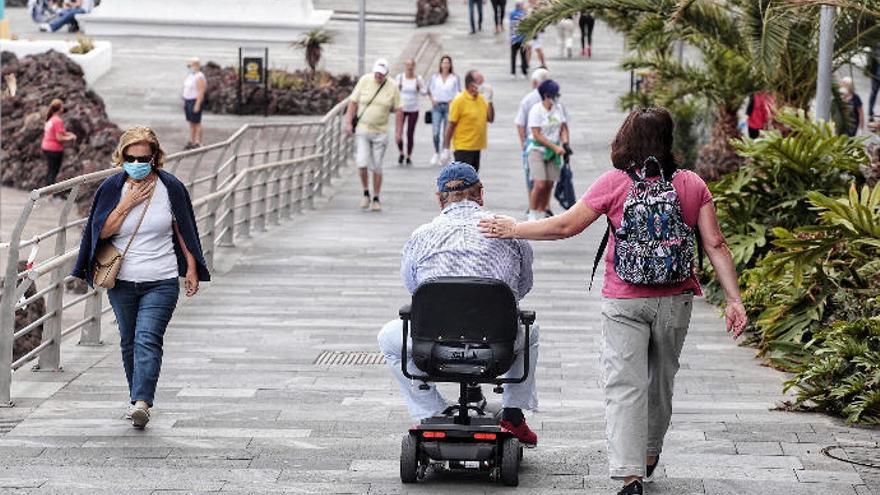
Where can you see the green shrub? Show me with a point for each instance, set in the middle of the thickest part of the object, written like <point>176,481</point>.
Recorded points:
<point>843,375</point>
<point>817,274</point>
<point>771,189</point>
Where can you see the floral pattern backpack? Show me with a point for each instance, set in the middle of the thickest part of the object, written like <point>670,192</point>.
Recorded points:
<point>653,246</point>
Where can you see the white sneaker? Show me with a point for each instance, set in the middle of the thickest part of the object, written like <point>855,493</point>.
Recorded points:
<point>45,27</point>
<point>533,215</point>
<point>365,202</point>
<point>435,159</point>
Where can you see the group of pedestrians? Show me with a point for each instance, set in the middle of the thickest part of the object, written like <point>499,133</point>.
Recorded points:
<point>459,116</point>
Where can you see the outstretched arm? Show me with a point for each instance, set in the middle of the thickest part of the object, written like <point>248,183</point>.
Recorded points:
<point>568,224</point>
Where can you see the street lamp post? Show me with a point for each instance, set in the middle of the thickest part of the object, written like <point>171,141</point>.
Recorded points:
<point>825,68</point>
<point>362,36</point>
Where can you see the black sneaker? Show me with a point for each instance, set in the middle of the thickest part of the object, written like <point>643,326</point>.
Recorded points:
<point>634,488</point>
<point>651,467</point>
<point>408,161</point>
<point>400,160</point>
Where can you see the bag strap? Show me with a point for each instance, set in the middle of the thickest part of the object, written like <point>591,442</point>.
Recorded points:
<point>361,113</point>
<point>699,248</point>
<point>602,246</point>
<point>140,221</point>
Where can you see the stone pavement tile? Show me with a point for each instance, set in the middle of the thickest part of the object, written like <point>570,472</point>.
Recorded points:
<point>204,442</point>
<point>730,472</point>
<point>743,427</point>
<point>281,461</point>
<point>756,487</point>
<point>739,461</point>
<point>849,477</point>
<point>759,448</point>
<point>7,482</point>
<point>871,478</point>
<point>700,447</point>
<point>769,436</point>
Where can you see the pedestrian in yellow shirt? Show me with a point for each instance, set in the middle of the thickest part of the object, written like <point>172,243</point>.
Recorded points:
<point>469,116</point>
<point>372,99</point>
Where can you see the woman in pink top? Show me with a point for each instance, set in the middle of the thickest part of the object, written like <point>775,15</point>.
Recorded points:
<point>643,326</point>
<point>54,137</point>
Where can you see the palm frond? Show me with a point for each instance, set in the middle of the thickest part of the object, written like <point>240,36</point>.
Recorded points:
<point>554,11</point>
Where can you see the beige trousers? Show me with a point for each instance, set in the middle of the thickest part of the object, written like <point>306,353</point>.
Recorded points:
<point>642,341</point>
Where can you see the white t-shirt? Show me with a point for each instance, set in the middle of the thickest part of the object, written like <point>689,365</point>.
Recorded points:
<point>444,91</point>
<point>151,256</point>
<point>525,106</point>
<point>190,85</point>
<point>550,122</point>
<point>410,89</point>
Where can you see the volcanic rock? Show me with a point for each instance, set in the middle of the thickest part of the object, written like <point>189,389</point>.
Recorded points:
<point>26,316</point>
<point>39,79</point>
<point>290,93</point>
<point>431,12</point>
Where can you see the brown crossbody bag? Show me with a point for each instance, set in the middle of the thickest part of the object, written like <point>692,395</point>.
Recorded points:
<point>108,259</point>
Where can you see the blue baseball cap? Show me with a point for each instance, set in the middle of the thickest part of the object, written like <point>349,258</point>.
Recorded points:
<point>548,89</point>
<point>457,171</point>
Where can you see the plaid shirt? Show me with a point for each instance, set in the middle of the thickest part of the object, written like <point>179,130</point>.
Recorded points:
<point>451,246</point>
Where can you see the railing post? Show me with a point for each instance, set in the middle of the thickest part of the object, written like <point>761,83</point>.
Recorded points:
<point>227,239</point>
<point>7,305</point>
<point>246,209</point>
<point>91,332</point>
<point>211,233</point>
<point>50,358</point>
<point>263,189</point>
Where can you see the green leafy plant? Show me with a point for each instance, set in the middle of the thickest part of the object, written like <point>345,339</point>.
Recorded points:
<point>843,375</point>
<point>313,43</point>
<point>83,45</point>
<point>743,46</point>
<point>821,273</point>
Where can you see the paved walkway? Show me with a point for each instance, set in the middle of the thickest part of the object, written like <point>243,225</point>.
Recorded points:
<point>242,408</point>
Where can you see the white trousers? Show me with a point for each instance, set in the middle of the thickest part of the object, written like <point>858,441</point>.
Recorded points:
<point>427,403</point>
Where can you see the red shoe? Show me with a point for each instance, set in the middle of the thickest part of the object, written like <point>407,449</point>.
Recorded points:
<point>522,432</point>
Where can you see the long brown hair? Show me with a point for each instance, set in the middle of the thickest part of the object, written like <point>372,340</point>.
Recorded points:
<point>54,108</point>
<point>440,65</point>
<point>646,133</point>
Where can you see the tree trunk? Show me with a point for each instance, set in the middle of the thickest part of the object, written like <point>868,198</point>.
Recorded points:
<point>718,157</point>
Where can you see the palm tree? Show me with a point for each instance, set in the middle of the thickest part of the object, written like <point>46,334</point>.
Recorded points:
<point>313,43</point>
<point>745,46</point>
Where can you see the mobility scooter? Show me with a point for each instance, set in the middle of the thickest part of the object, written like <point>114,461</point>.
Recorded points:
<point>463,331</point>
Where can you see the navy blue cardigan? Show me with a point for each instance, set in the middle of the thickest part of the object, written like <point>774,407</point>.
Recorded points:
<point>107,197</point>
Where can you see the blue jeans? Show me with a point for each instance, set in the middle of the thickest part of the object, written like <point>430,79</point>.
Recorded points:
<point>439,118</point>
<point>479,5</point>
<point>143,310</point>
<point>66,16</point>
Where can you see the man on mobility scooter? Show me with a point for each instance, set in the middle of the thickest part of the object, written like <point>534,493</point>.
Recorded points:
<point>452,246</point>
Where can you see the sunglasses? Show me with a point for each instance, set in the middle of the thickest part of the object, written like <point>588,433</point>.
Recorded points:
<point>138,159</point>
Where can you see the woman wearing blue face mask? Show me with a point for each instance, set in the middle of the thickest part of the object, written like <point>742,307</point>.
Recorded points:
<point>147,215</point>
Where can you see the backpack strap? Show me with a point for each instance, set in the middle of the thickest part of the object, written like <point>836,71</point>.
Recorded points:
<point>699,248</point>
<point>600,252</point>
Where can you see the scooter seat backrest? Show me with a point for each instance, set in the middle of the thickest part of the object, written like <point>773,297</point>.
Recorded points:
<point>464,328</point>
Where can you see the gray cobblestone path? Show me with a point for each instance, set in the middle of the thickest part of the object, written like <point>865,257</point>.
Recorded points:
<point>242,408</point>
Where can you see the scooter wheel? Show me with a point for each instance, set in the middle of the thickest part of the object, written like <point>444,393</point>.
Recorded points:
<point>409,459</point>
<point>510,462</point>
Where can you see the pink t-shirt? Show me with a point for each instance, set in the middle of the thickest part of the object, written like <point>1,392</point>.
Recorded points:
<point>607,195</point>
<point>51,129</point>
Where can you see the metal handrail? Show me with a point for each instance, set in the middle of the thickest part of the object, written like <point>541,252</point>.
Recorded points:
<point>262,173</point>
